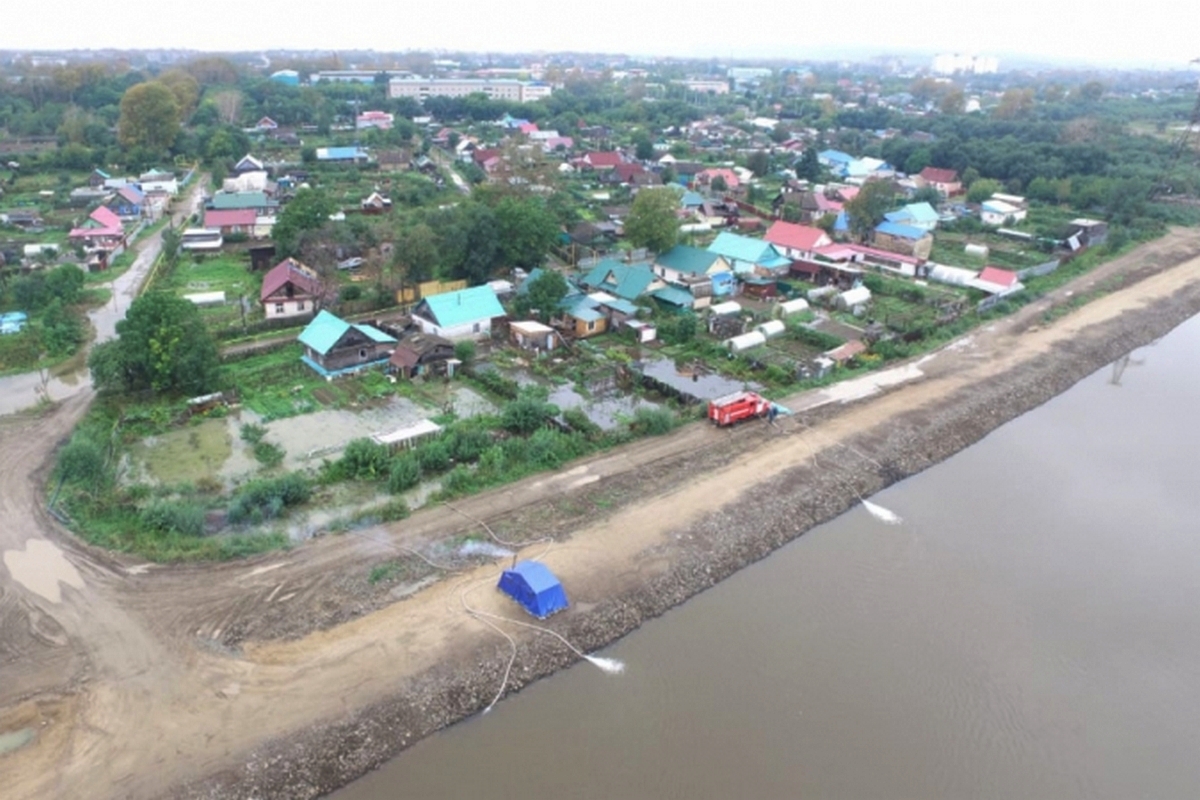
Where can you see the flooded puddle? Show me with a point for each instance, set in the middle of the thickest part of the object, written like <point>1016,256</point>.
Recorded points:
<point>703,386</point>
<point>187,454</point>
<point>41,567</point>
<point>607,412</point>
<point>15,740</point>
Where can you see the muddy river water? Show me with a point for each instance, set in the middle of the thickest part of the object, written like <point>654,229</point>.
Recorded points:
<point>1030,630</point>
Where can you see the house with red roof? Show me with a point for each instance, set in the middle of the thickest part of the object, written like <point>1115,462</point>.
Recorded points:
<point>707,176</point>
<point>128,203</point>
<point>102,229</point>
<point>601,160</point>
<point>996,281</point>
<point>290,289</point>
<point>796,241</point>
<point>945,181</point>
<point>230,221</point>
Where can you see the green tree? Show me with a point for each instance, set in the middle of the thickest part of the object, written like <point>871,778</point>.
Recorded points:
<point>982,189</point>
<point>953,102</point>
<point>184,87</point>
<point>759,163</point>
<point>643,147</point>
<point>809,167</point>
<point>718,184</point>
<point>866,210</point>
<point>415,253</point>
<point>917,160</point>
<point>927,194</point>
<point>651,222</point>
<point>162,345</point>
<point>309,210</point>
<point>526,229</point>
<point>149,117</point>
<point>65,282</point>
<point>545,292</point>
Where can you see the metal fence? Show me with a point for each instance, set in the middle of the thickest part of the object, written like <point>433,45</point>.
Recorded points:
<point>1039,270</point>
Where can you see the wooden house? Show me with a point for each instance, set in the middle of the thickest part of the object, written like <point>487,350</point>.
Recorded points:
<point>333,346</point>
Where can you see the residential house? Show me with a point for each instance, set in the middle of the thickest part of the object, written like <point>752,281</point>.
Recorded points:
<point>266,124</point>
<point>98,179</point>
<point>625,281</point>
<point>127,203</point>
<point>749,256</point>
<point>903,239</point>
<point>333,346</point>
<point>626,173</point>
<point>247,163</point>
<point>866,168</point>
<point>945,181</point>
<point>356,155</point>
<point>809,206</point>
<point>159,182</point>
<point>375,203</point>
<point>465,314</point>
<point>257,201</point>
<point>796,241</point>
<point>998,212</point>
<point>706,178</point>
<point>601,160</point>
<point>380,120</point>
<point>102,229</point>
<point>584,315</point>
<point>394,160</point>
<point>1087,232</point>
<point>421,354</point>
<point>231,222</point>
<point>835,161</point>
<point>917,215</point>
<point>532,335</point>
<point>996,281</point>
<point>21,218</point>
<point>290,289</point>
<point>702,273</point>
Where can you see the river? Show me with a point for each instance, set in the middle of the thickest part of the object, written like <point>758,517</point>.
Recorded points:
<point>1029,631</point>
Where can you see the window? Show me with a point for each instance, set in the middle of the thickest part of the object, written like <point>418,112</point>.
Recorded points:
<point>299,305</point>
<point>362,353</point>
<point>279,308</point>
<point>591,324</point>
<point>475,327</point>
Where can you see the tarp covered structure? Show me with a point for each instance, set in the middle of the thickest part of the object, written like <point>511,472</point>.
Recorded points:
<point>535,587</point>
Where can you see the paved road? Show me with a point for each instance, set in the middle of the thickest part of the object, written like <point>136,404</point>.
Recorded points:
<point>18,392</point>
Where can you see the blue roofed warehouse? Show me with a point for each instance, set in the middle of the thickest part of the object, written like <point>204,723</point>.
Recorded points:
<point>535,587</point>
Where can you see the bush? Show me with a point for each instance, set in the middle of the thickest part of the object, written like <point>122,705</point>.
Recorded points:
<point>527,413</point>
<point>267,498</point>
<point>466,445</point>
<point>433,457</point>
<point>460,480</point>
<point>82,461</point>
<point>499,385</point>
<point>818,339</point>
<point>350,293</point>
<point>267,454</point>
<point>364,459</point>
<point>652,421</point>
<point>404,474</point>
<point>464,351</point>
<point>165,516</point>
<point>251,433</point>
<point>579,422</point>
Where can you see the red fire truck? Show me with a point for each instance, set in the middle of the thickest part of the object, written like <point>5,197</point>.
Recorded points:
<point>736,407</point>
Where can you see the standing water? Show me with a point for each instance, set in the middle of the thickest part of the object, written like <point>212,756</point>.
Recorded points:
<point>1030,630</point>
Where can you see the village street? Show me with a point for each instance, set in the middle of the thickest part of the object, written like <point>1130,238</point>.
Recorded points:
<point>120,675</point>
<point>21,391</point>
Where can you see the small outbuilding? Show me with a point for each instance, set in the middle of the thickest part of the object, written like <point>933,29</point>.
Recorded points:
<point>535,587</point>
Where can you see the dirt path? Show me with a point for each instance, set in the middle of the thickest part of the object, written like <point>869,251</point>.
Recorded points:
<point>133,684</point>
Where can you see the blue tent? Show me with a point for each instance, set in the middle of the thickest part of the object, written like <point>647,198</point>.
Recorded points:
<point>534,586</point>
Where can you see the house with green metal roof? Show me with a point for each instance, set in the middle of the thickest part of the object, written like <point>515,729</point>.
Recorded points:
<point>683,263</point>
<point>465,314</point>
<point>230,201</point>
<point>333,346</point>
<point>626,281</point>
<point>749,256</point>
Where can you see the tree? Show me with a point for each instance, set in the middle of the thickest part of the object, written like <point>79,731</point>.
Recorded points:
<point>867,208</point>
<point>527,230</point>
<point>982,189</point>
<point>652,222</point>
<point>229,105</point>
<point>643,148</point>
<point>1014,104</point>
<point>162,345</point>
<point>718,184</point>
<point>917,160</point>
<point>809,167</point>
<point>185,88</point>
<point>65,282</point>
<point>545,292</point>
<point>927,194</point>
<point>149,117</point>
<point>953,102</point>
<point>759,163</point>
<point>415,253</point>
<point>307,211</point>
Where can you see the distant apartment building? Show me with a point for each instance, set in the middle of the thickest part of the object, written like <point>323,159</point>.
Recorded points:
<point>954,63</point>
<point>710,85</point>
<point>496,89</point>
<point>353,75</point>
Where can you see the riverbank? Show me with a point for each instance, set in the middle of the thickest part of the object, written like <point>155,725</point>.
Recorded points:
<point>717,518</point>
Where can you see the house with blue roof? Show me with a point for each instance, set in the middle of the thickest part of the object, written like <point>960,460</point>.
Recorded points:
<point>917,215</point>
<point>333,346</point>
<point>749,256</point>
<point>626,281</point>
<point>903,239</point>
<point>465,314</point>
<point>702,273</point>
<point>835,161</point>
<point>356,155</point>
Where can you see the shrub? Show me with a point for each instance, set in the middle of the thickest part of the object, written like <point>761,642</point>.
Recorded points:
<point>433,457</point>
<point>267,454</point>
<point>405,473</point>
<point>165,516</point>
<point>499,385</point>
<point>267,498</point>
<point>652,421</point>
<point>579,422</point>
<point>251,433</point>
<point>527,413</point>
<point>82,461</point>
<point>466,445</point>
<point>364,459</point>
<point>460,480</point>
<point>464,351</point>
<point>350,293</point>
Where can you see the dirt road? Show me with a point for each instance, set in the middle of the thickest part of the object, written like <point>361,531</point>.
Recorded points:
<point>286,675</point>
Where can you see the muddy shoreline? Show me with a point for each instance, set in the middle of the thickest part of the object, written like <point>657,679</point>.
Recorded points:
<point>764,518</point>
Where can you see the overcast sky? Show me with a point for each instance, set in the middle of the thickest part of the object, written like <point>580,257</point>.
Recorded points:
<point>1148,32</point>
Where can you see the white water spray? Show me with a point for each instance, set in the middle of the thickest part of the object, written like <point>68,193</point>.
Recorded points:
<point>610,665</point>
<point>882,514</point>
